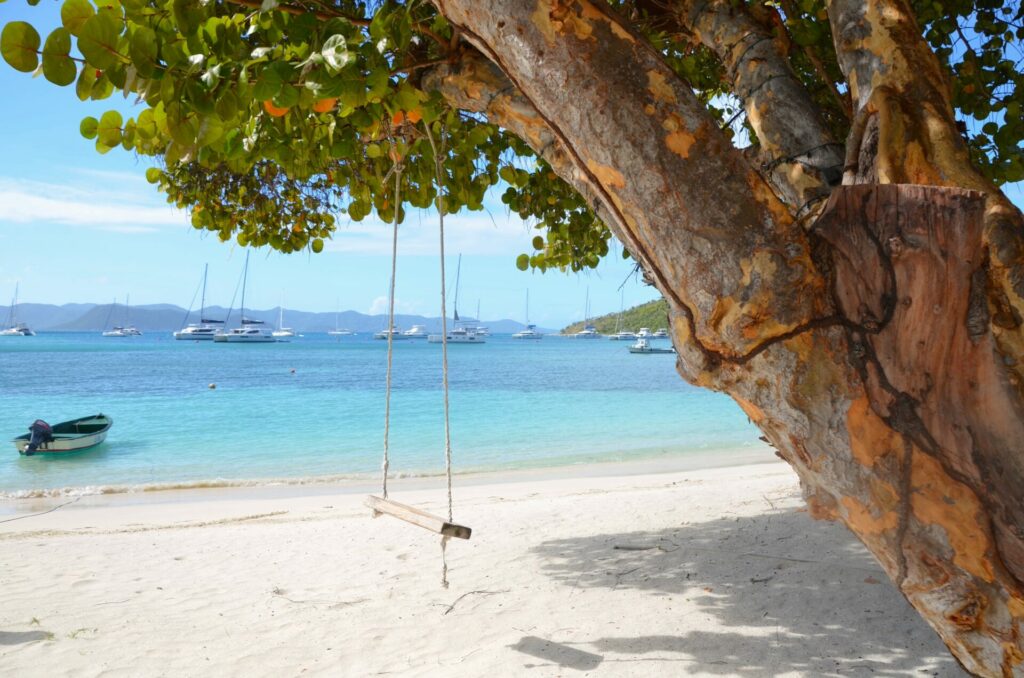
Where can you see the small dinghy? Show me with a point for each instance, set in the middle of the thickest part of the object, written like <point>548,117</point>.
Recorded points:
<point>67,436</point>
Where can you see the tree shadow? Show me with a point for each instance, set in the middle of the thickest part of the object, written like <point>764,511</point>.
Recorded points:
<point>804,596</point>
<point>21,637</point>
<point>557,653</point>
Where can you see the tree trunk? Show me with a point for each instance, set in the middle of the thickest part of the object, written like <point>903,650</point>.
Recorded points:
<point>879,348</point>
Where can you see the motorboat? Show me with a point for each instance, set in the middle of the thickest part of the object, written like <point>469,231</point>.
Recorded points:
<point>205,329</point>
<point>644,333</point>
<point>417,332</point>
<point>622,335</point>
<point>340,333</point>
<point>531,330</point>
<point>13,328</point>
<point>644,346</point>
<point>459,335</point>
<point>131,331</point>
<point>396,334</point>
<point>250,332</point>
<point>67,436</point>
<point>116,332</point>
<point>661,333</point>
<point>247,334</point>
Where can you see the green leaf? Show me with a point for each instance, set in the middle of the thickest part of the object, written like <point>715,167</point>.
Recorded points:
<point>19,44</point>
<point>143,51</point>
<point>109,131</point>
<point>58,67</point>
<point>86,80</point>
<point>88,127</point>
<point>74,13</point>
<point>97,40</point>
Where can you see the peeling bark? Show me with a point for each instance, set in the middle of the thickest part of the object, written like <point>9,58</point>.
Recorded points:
<point>805,160</point>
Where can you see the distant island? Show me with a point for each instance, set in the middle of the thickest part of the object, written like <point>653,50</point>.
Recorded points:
<point>168,318</point>
<point>653,314</point>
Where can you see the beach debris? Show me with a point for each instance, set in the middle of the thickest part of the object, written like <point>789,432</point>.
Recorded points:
<point>449,608</point>
<point>293,370</point>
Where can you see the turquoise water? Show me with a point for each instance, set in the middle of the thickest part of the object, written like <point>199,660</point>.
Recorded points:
<point>514,405</point>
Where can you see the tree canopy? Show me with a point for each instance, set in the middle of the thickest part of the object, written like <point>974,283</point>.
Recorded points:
<point>270,120</point>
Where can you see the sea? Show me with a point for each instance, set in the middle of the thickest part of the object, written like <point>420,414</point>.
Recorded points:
<point>200,414</point>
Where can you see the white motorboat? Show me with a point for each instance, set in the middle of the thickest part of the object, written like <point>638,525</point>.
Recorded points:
<point>131,331</point>
<point>282,333</point>
<point>459,335</point>
<point>246,334</point>
<point>396,334</point>
<point>622,336</point>
<point>340,333</point>
<point>249,332</point>
<point>13,328</point>
<point>644,333</point>
<point>661,333</point>
<point>644,346</point>
<point>120,331</point>
<point>116,332</point>
<point>416,332</point>
<point>67,436</point>
<point>531,330</point>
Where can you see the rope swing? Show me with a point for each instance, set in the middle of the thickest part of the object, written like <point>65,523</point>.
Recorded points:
<point>382,504</point>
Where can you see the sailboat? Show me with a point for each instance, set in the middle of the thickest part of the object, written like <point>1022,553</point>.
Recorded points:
<point>336,332</point>
<point>282,333</point>
<point>205,329</point>
<point>129,329</point>
<point>621,334</point>
<point>461,333</point>
<point>531,330</point>
<point>12,327</point>
<point>248,333</point>
<point>588,331</point>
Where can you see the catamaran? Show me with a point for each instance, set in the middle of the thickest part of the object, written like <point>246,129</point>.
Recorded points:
<point>621,334</point>
<point>248,333</point>
<point>282,333</point>
<point>205,329</point>
<point>588,331</point>
<point>336,332</point>
<point>531,330</point>
<point>416,332</point>
<point>12,327</point>
<point>460,334</point>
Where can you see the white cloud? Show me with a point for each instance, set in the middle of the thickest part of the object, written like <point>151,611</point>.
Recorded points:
<point>472,233</point>
<point>379,306</point>
<point>121,211</point>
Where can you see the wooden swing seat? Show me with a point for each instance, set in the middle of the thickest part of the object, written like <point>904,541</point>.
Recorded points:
<point>417,516</point>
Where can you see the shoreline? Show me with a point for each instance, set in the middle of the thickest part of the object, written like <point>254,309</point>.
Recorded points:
<point>17,501</point>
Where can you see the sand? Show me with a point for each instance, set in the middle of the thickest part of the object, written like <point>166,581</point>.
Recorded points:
<point>713,572</point>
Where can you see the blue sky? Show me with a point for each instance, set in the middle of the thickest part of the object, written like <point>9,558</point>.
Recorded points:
<point>76,226</point>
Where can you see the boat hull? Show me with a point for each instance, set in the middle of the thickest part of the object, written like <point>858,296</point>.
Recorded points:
<point>633,349</point>
<point>65,439</point>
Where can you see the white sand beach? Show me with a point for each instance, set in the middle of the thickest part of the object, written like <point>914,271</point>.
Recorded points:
<point>713,572</point>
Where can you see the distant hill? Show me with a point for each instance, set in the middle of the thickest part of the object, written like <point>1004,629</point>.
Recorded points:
<point>168,318</point>
<point>653,314</point>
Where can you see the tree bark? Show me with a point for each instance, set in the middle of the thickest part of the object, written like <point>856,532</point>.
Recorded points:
<point>880,350</point>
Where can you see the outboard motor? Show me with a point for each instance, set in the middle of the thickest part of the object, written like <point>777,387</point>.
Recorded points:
<point>41,433</point>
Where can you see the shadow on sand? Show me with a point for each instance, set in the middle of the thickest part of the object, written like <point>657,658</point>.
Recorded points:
<point>21,637</point>
<point>792,589</point>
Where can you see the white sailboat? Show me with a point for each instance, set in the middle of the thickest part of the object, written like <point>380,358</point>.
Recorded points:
<point>531,330</point>
<point>205,329</point>
<point>13,328</point>
<point>117,331</point>
<point>460,334</point>
<point>416,332</point>
<point>588,331</point>
<point>621,334</point>
<point>248,333</point>
<point>336,332</point>
<point>282,333</point>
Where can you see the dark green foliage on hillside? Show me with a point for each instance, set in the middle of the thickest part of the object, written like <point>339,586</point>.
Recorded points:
<point>653,314</point>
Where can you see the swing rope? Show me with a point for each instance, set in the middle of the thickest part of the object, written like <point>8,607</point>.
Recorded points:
<point>438,170</point>
<point>408,513</point>
<point>391,325</point>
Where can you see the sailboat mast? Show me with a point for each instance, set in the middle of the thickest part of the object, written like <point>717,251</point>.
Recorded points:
<point>202,300</point>
<point>14,307</point>
<point>458,274</point>
<point>527,306</point>
<point>245,276</point>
